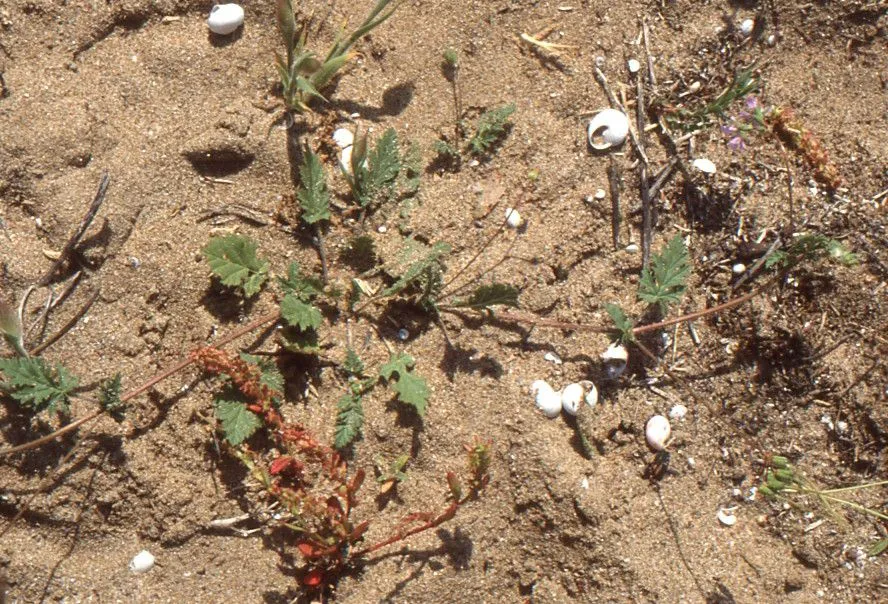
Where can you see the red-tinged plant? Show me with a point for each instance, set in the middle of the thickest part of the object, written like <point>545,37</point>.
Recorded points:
<point>793,133</point>
<point>311,484</point>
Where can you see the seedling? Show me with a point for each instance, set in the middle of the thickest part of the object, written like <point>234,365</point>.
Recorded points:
<point>37,385</point>
<point>303,75</point>
<point>785,483</point>
<point>390,474</point>
<point>382,174</point>
<point>492,127</point>
<point>233,260</point>
<point>743,85</point>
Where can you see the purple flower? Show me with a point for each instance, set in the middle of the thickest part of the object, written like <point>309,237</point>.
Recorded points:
<point>729,130</point>
<point>737,144</point>
<point>752,102</point>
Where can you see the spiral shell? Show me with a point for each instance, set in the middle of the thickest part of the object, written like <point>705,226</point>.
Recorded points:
<point>607,129</point>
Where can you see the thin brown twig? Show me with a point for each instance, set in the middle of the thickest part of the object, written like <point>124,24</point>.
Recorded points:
<point>68,326</point>
<point>158,377</point>
<point>613,177</point>
<point>81,230</point>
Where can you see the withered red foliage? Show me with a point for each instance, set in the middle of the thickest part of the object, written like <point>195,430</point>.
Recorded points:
<point>790,130</point>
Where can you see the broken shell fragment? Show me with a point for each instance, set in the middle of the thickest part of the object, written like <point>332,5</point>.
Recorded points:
<point>591,393</point>
<point>609,128</point>
<point>726,517</point>
<point>344,139</point>
<point>571,397</point>
<point>657,432</point>
<point>615,359</point>
<point>225,18</point>
<point>547,400</point>
<point>704,165</point>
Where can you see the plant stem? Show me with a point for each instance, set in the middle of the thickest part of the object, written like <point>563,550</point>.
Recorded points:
<point>401,535</point>
<point>158,377</point>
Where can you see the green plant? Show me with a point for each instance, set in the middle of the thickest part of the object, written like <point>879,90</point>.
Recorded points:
<point>742,85</point>
<point>390,474</point>
<point>313,196</point>
<point>11,328</point>
<point>382,174</point>
<point>37,385</point>
<point>783,482</point>
<point>303,75</point>
<point>233,260</point>
<point>492,126</point>
<point>811,246</point>
<point>664,282</point>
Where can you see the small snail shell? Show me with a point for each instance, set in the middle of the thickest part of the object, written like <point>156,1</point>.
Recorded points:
<point>615,359</point>
<point>657,432</point>
<point>571,397</point>
<point>706,166</point>
<point>609,128</point>
<point>513,218</point>
<point>678,412</point>
<point>142,562</point>
<point>547,400</point>
<point>225,18</point>
<point>591,393</point>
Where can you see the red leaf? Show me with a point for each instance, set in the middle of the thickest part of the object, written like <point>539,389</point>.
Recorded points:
<point>308,550</point>
<point>313,578</point>
<point>285,465</point>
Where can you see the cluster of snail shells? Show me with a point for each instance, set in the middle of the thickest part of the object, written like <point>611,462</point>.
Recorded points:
<point>569,399</point>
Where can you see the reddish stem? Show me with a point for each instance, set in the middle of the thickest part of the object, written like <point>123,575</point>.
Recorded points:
<point>401,535</point>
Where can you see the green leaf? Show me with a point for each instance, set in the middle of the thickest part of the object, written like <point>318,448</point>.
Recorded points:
<point>417,266</point>
<point>878,547</point>
<point>494,294</point>
<point>11,328</point>
<point>233,259</point>
<point>313,196</point>
<point>349,419</point>
<point>271,376</point>
<point>492,126</point>
<point>303,287</point>
<point>411,388</point>
<point>36,384</point>
<point>301,342</point>
<point>621,321</point>
<point>109,398</point>
<point>375,182</point>
<point>812,246</point>
<point>286,22</point>
<point>299,314</point>
<point>238,422</point>
<point>665,280</point>
<point>353,363</point>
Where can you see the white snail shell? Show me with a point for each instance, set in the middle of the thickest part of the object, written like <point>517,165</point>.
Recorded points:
<point>657,432</point>
<point>571,397</point>
<point>344,139</point>
<point>513,218</point>
<point>706,166</point>
<point>225,18</point>
<point>609,128</point>
<point>142,562</point>
<point>615,359</point>
<point>678,412</point>
<point>591,393</point>
<point>547,400</point>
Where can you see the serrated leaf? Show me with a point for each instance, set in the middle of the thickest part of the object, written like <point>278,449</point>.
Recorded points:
<point>299,314</point>
<point>373,178</point>
<point>621,321</point>
<point>665,280</point>
<point>313,196</point>
<point>349,420</point>
<point>492,125</point>
<point>353,363</point>
<point>270,376</point>
<point>878,547</point>
<point>233,259</point>
<point>238,422</point>
<point>109,398</point>
<point>411,388</point>
<point>416,266</point>
<point>300,342</point>
<point>303,287</point>
<point>37,385</point>
<point>494,294</point>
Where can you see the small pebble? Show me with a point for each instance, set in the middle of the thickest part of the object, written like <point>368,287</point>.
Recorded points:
<point>600,194</point>
<point>695,86</point>
<point>678,412</point>
<point>738,268</point>
<point>142,562</point>
<point>771,40</point>
<point>632,248</point>
<point>633,65</point>
<point>225,18</point>
<point>746,26</point>
<point>382,228</point>
<point>403,334</point>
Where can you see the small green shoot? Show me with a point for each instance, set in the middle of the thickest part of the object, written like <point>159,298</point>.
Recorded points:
<point>374,172</point>
<point>349,419</point>
<point>487,296</point>
<point>784,482</point>
<point>811,247</point>
<point>389,475</point>
<point>492,126</point>
<point>420,266</point>
<point>300,314</point>
<point>109,398</point>
<point>664,282</point>
<point>622,323</point>
<point>233,259</point>
<point>411,388</point>
<point>37,385</point>
<point>302,317</point>
<point>313,196</point>
<point>303,75</point>
<point>742,85</point>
